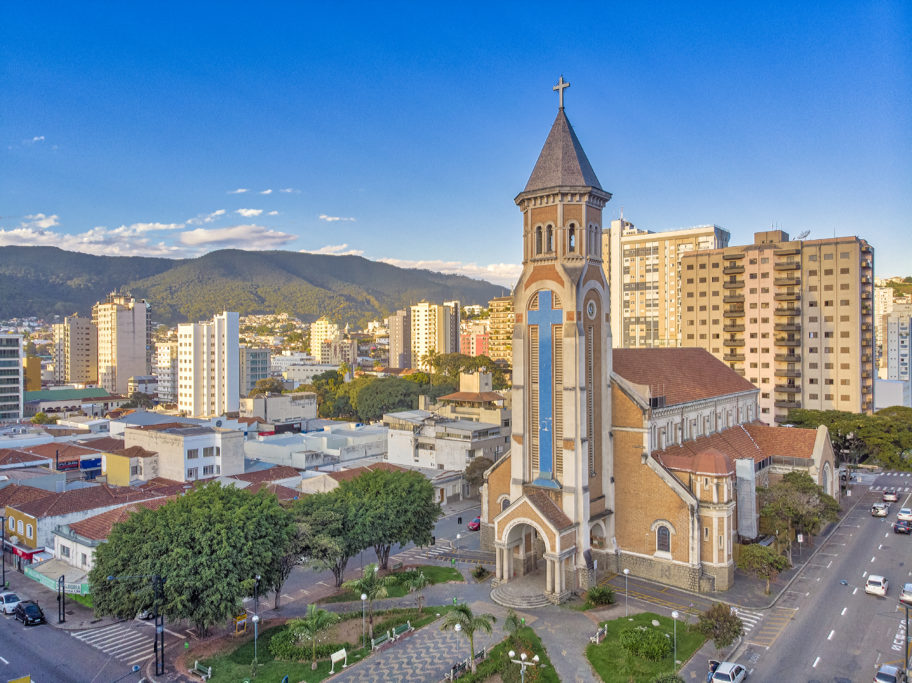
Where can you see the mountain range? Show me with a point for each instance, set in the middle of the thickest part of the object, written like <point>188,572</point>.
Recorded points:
<point>47,281</point>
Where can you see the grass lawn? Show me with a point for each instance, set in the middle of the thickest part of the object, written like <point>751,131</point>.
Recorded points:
<point>82,599</point>
<point>434,574</point>
<point>498,661</point>
<point>615,665</point>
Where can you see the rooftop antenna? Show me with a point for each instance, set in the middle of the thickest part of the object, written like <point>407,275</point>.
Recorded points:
<point>802,235</point>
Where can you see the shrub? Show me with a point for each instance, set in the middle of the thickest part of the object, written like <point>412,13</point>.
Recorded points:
<point>600,595</point>
<point>648,643</point>
<point>283,646</point>
<point>669,678</point>
<point>479,571</point>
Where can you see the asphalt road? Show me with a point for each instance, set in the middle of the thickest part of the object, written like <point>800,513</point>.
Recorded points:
<point>838,632</point>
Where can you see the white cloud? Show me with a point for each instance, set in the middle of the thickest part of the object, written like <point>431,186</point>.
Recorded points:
<point>505,274</point>
<point>41,221</point>
<point>335,250</point>
<point>127,240</point>
<point>273,213</point>
<point>266,192</point>
<point>333,219</point>
<point>238,236</point>
<point>207,217</point>
<point>240,190</point>
<point>290,190</point>
<point>249,213</point>
<point>37,138</point>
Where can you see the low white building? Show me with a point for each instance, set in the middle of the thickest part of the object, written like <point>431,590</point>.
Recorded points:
<point>338,443</point>
<point>280,363</point>
<point>188,453</point>
<point>418,438</point>
<point>287,412</point>
<point>892,392</point>
<point>304,374</point>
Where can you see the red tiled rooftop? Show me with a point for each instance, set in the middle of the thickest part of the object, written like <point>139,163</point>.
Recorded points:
<point>680,375</point>
<point>104,443</point>
<point>17,494</point>
<point>84,499</point>
<point>65,451</point>
<point>11,456</point>
<point>135,452</point>
<point>791,442</point>
<point>268,475</point>
<point>281,492</point>
<point>473,397</point>
<point>99,527</point>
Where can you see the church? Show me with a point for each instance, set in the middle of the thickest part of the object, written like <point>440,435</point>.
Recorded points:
<point>639,459</point>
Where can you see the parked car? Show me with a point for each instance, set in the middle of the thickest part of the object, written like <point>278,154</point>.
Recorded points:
<point>889,674</point>
<point>8,602</point>
<point>147,613</point>
<point>474,525</point>
<point>29,613</point>
<point>889,496</point>
<point>904,514</point>
<point>876,585</point>
<point>902,527</point>
<point>880,509</point>
<point>729,672</point>
<point>906,595</point>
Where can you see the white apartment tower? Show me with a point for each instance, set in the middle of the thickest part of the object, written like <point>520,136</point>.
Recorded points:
<point>431,332</point>
<point>11,379</point>
<point>208,366</point>
<point>898,326</point>
<point>75,351</point>
<point>124,327</point>
<point>322,331</point>
<point>166,371</point>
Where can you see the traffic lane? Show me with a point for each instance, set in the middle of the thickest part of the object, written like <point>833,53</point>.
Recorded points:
<point>49,655</point>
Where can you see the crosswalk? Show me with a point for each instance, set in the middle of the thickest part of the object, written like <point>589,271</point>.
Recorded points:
<point>749,618</point>
<point>763,628</point>
<point>128,641</point>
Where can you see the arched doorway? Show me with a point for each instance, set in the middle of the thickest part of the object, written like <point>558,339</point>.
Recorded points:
<point>827,479</point>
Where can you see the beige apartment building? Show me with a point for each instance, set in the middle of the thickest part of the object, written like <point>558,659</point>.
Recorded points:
<point>399,325</point>
<point>322,332</point>
<point>75,351</point>
<point>432,331</point>
<point>208,366</point>
<point>500,330</point>
<point>794,317</point>
<point>124,327</point>
<point>641,267</point>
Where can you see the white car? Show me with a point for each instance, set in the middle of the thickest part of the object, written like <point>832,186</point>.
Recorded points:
<point>904,514</point>
<point>906,595</point>
<point>889,496</point>
<point>729,672</point>
<point>8,602</point>
<point>876,585</point>
<point>879,510</point>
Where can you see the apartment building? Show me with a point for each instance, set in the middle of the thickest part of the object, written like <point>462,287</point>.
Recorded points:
<point>432,331</point>
<point>473,341</point>
<point>75,351</point>
<point>31,368</point>
<point>500,330</point>
<point>793,317</point>
<point>166,371</point>
<point>188,453</point>
<point>641,267</point>
<point>255,365</point>
<point>455,324</point>
<point>11,377</point>
<point>322,332</point>
<point>417,438</point>
<point>208,366</point>
<point>400,339</point>
<point>124,327</point>
<point>896,352</point>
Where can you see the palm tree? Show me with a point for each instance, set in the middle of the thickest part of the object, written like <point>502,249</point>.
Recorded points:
<point>416,582</point>
<point>311,626</point>
<point>372,585</point>
<point>513,622</point>
<point>468,622</point>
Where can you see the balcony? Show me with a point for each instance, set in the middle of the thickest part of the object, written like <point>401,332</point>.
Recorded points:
<point>787,404</point>
<point>788,388</point>
<point>730,256</point>
<point>733,328</point>
<point>788,357</point>
<point>736,357</point>
<point>785,372</point>
<point>865,248</point>
<point>787,327</point>
<point>733,299</point>
<point>866,295</point>
<point>733,314</point>
<point>791,311</point>
<point>787,296</point>
<point>866,326</point>
<point>733,270</point>
<point>786,282</point>
<point>787,265</point>
<point>733,284</point>
<point>732,342</point>
<point>785,341</point>
<point>867,264</point>
<point>787,251</point>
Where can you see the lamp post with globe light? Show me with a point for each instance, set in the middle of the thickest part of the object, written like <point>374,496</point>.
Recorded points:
<point>626,609</point>
<point>674,662</point>
<point>363,634</point>
<point>523,662</point>
<point>256,634</point>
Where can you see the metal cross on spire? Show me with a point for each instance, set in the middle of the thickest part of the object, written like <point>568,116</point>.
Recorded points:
<point>560,90</point>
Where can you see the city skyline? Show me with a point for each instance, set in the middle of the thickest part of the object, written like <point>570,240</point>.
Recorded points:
<point>304,129</point>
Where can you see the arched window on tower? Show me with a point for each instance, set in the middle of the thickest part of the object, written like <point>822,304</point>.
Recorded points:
<point>663,539</point>
<point>538,240</point>
<point>550,239</point>
<point>571,238</point>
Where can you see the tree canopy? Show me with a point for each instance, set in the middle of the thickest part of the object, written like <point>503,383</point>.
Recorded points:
<point>762,562</point>
<point>796,504</point>
<point>720,624</point>
<point>268,385</point>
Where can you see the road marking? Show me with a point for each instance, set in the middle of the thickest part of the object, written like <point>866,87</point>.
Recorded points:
<point>855,591</point>
<point>816,662</point>
<point>830,637</point>
<point>842,614</point>
<point>3,660</point>
<point>873,558</point>
<point>829,564</point>
<point>880,547</point>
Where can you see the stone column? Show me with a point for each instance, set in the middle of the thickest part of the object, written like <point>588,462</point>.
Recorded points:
<point>549,573</point>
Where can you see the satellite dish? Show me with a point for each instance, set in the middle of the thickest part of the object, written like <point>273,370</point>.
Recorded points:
<point>218,423</point>
<point>803,235</point>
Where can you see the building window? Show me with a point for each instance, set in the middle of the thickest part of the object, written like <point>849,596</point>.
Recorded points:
<point>65,551</point>
<point>83,560</point>
<point>550,239</point>
<point>12,524</point>
<point>706,532</point>
<point>208,470</point>
<point>505,503</point>
<point>192,453</point>
<point>28,530</point>
<point>191,473</point>
<point>663,539</point>
<point>208,451</point>
<point>571,238</point>
<point>538,240</point>
<point>19,524</point>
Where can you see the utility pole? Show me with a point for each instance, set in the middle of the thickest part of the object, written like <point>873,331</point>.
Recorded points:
<point>61,599</point>
<point>158,588</point>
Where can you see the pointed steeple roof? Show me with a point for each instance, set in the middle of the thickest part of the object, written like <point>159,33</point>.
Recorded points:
<point>562,161</point>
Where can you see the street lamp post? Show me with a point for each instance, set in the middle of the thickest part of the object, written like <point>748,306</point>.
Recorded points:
<point>256,595</point>
<point>523,663</point>
<point>626,609</point>
<point>363,633</point>
<point>458,536</point>
<point>674,662</point>
<point>906,660</point>
<point>3,547</point>
<point>256,633</point>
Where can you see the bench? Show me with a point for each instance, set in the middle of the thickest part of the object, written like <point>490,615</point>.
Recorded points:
<point>457,670</point>
<point>481,654</point>
<point>204,672</point>
<point>376,643</point>
<point>599,636</point>
<point>402,630</point>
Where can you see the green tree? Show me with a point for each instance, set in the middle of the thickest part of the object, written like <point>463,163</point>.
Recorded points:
<point>416,582</point>
<point>269,385</point>
<point>336,521</point>
<point>796,504</point>
<point>139,400</point>
<point>469,623</point>
<point>763,562</point>
<point>474,473</point>
<point>721,624</point>
<point>374,587</point>
<point>43,419</point>
<point>296,542</point>
<point>208,545</point>
<point>385,395</point>
<point>513,622</point>
<point>311,626</point>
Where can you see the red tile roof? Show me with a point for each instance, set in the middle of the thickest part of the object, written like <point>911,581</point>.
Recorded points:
<point>10,456</point>
<point>281,492</point>
<point>347,475</point>
<point>82,500</point>
<point>104,443</point>
<point>66,451</point>
<point>680,375</point>
<point>99,527</point>
<point>16,494</point>
<point>473,396</point>
<point>268,475</point>
<point>791,442</point>
<point>135,452</point>
<point>549,510</point>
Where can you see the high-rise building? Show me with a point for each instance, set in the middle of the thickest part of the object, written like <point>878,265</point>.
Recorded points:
<point>883,306</point>
<point>11,377</point>
<point>322,332</point>
<point>500,331</point>
<point>208,366</point>
<point>400,339</point>
<point>124,327</point>
<point>455,325</point>
<point>31,368</point>
<point>255,364</point>
<point>432,332</point>
<point>642,271</point>
<point>794,317</point>
<point>75,351</point>
<point>166,371</point>
<point>474,340</point>
<point>898,326</point>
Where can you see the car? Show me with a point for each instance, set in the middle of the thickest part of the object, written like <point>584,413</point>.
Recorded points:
<point>876,585</point>
<point>8,602</point>
<point>29,613</point>
<point>906,595</point>
<point>880,509</point>
<point>146,614</point>
<point>729,672</point>
<point>904,515</point>
<point>889,496</point>
<point>888,673</point>
<point>474,525</point>
<point>902,527</point>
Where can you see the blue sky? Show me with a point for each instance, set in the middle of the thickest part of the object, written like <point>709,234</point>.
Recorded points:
<point>403,131</point>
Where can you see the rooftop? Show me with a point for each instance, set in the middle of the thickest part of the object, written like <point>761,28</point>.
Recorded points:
<point>65,394</point>
<point>79,500</point>
<point>562,161</point>
<point>99,527</point>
